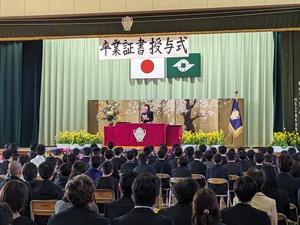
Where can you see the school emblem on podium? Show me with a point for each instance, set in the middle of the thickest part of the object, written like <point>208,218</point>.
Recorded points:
<point>139,134</point>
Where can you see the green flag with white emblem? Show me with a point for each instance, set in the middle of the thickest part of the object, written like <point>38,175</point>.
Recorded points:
<point>184,66</point>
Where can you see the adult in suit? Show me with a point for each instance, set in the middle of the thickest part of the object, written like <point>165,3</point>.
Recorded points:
<point>177,153</point>
<point>129,164</point>
<point>147,114</point>
<point>217,171</point>
<point>80,191</point>
<point>285,180</point>
<point>125,204</point>
<point>205,208</point>
<point>162,166</point>
<point>145,190</point>
<point>243,213</point>
<point>181,212</point>
<point>181,170</point>
<point>143,167</point>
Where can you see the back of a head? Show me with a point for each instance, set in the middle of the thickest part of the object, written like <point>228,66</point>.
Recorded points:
<point>217,158</point>
<point>296,157</point>
<point>205,207</point>
<point>107,167</point>
<point>291,151</point>
<point>33,146</point>
<point>97,151</point>
<point>87,151</point>
<point>78,168</point>
<point>71,158</point>
<point>209,155</point>
<point>6,215</point>
<point>80,190</point>
<point>271,180</point>
<point>126,181</point>
<point>240,149</point>
<point>202,148</point>
<point>129,155</point>
<point>143,158</point>
<point>284,163</point>
<point>110,145</point>
<point>222,149</point>
<point>46,170</point>
<point>15,194</point>
<point>175,146</point>
<point>161,153</point>
<point>270,150</point>
<point>230,155</point>
<point>7,154</point>
<point>14,168</point>
<point>145,189</point>
<point>135,151</point>
<point>93,146</point>
<point>262,150</point>
<point>118,151</point>
<point>250,153</point>
<point>198,154</point>
<point>284,152</point>
<point>23,159</point>
<point>245,188</point>
<point>178,152</point>
<point>147,150</point>
<point>182,161</point>
<point>29,171</point>
<point>268,159</point>
<point>257,176</point>
<point>109,154</point>
<point>164,147</point>
<point>259,157</point>
<point>65,169</point>
<point>95,161</point>
<point>185,190</point>
<point>57,152</point>
<point>13,147</point>
<point>40,149</point>
<point>214,150</point>
<point>189,151</point>
<point>243,155</point>
<point>76,151</point>
<point>52,160</point>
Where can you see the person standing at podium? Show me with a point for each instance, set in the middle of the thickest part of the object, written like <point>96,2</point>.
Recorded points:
<point>147,114</point>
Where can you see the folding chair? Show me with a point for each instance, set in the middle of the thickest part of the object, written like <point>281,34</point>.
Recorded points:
<point>173,180</point>
<point>103,196</point>
<point>293,218</point>
<point>198,178</point>
<point>164,177</point>
<point>221,181</point>
<point>42,208</point>
<point>232,179</point>
<point>282,218</point>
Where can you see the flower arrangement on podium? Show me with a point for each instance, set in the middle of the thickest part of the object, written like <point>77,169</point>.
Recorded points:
<point>282,140</point>
<point>109,111</point>
<point>194,139</point>
<point>73,139</point>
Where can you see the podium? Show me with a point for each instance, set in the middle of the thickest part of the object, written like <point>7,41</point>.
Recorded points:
<point>141,134</point>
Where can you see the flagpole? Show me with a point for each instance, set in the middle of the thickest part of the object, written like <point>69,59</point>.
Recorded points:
<point>236,98</point>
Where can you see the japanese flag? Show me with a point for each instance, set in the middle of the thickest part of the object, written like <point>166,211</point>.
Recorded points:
<point>147,68</point>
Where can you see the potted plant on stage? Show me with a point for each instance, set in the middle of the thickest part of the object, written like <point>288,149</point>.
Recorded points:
<point>215,138</point>
<point>193,139</point>
<point>109,111</point>
<point>284,140</point>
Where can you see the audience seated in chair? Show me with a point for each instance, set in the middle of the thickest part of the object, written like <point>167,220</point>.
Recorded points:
<point>181,212</point>
<point>243,161</point>
<point>250,155</point>
<point>149,150</point>
<point>205,208</point>
<point>86,156</point>
<point>6,215</point>
<point>198,167</point>
<point>181,170</point>
<point>109,156</point>
<point>125,204</point>
<point>118,159</point>
<point>172,155</point>
<point>129,164</point>
<point>208,156</point>
<point>259,160</point>
<point>270,151</point>
<point>189,153</point>
<point>145,191</point>
<point>259,200</point>
<point>243,213</point>
<point>15,194</point>
<point>222,150</point>
<point>143,167</point>
<point>162,166</point>
<point>29,172</point>
<point>80,191</point>
<point>94,171</point>
<point>7,155</point>
<point>177,153</point>
<point>40,151</point>
<point>62,177</point>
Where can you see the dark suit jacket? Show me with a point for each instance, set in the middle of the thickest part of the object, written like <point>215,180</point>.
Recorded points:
<point>143,168</point>
<point>45,189</point>
<point>149,115</point>
<point>234,169</point>
<point>118,208</point>
<point>129,165</point>
<point>4,167</point>
<point>197,167</point>
<point>258,167</point>
<point>290,184</point>
<point>217,171</point>
<point>245,165</point>
<point>173,163</point>
<point>118,161</point>
<point>251,162</point>
<point>181,172</point>
<point>86,160</point>
<point>142,216</point>
<point>107,183</point>
<point>180,213</point>
<point>78,216</point>
<point>244,214</point>
<point>161,166</point>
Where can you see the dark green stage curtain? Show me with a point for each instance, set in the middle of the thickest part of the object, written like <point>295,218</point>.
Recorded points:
<point>290,78</point>
<point>10,91</point>
<point>20,81</point>
<point>31,88</point>
<point>277,84</point>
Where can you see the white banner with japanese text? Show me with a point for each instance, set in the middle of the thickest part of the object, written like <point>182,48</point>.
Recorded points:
<point>143,47</point>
